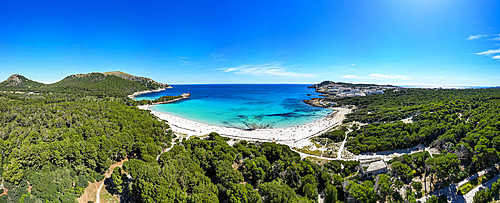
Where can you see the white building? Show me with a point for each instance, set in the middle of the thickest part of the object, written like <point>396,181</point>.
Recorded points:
<point>373,167</point>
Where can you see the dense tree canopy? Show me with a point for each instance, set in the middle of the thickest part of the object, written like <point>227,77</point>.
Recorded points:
<point>52,140</point>
<point>58,140</point>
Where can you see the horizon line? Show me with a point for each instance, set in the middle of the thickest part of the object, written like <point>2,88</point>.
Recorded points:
<point>292,83</point>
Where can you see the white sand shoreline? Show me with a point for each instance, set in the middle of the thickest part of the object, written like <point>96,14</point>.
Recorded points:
<point>288,135</point>
<point>291,136</point>
<point>132,96</point>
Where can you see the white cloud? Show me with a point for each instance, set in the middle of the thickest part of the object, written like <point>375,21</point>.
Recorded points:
<point>493,53</point>
<point>351,77</point>
<point>377,76</point>
<point>473,37</point>
<point>380,76</point>
<point>270,69</point>
<point>229,70</point>
<point>186,62</point>
<point>489,52</point>
<point>441,77</point>
<point>218,57</point>
<point>352,64</point>
<point>496,38</point>
<point>183,60</point>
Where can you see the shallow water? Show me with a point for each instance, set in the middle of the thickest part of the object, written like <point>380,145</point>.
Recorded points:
<point>242,106</point>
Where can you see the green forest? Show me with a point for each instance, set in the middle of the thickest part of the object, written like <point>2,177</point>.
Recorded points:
<point>109,84</point>
<point>55,140</point>
<point>54,145</point>
<point>60,138</point>
<point>210,170</point>
<point>463,122</point>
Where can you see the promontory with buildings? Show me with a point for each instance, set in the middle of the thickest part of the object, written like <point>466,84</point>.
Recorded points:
<point>333,90</point>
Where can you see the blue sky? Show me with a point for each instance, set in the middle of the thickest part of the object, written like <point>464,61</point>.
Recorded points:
<point>412,42</point>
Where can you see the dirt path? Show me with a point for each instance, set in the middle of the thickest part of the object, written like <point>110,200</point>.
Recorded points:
<point>108,174</point>
<point>93,191</point>
<point>165,150</point>
<point>4,191</point>
<point>98,194</point>
<point>339,153</point>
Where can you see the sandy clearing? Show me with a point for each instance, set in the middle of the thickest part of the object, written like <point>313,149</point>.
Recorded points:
<point>93,190</point>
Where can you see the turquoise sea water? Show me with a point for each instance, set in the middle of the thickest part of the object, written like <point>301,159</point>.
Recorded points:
<point>242,106</point>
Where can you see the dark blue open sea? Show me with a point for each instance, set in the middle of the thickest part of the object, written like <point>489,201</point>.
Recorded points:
<point>242,106</point>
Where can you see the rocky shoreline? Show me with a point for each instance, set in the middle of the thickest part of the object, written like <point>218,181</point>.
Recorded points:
<point>314,102</point>
<point>132,96</point>
<point>184,96</point>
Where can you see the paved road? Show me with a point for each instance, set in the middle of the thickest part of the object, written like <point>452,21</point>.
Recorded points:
<point>469,197</point>
<point>452,196</point>
<point>390,154</point>
<point>303,155</point>
<point>451,191</point>
<point>478,174</point>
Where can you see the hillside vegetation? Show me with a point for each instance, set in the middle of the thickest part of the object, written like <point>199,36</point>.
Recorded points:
<point>53,145</point>
<point>19,82</point>
<point>146,82</point>
<point>212,171</point>
<point>55,140</point>
<point>97,84</point>
<point>464,123</point>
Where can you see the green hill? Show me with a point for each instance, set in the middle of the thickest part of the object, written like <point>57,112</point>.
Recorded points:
<point>19,82</point>
<point>100,84</point>
<point>96,84</point>
<point>147,82</point>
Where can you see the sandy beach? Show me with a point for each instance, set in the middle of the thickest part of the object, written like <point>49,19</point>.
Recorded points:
<point>288,136</point>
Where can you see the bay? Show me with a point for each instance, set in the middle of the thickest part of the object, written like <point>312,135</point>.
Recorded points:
<point>242,106</point>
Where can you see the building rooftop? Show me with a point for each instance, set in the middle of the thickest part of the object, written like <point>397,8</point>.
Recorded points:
<point>376,165</point>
